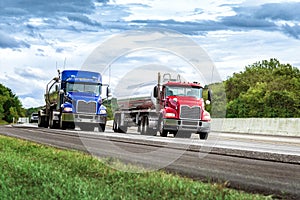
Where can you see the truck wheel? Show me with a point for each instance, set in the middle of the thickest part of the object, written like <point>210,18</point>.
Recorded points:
<point>51,122</point>
<point>141,127</point>
<point>203,135</point>
<point>144,126</point>
<point>183,134</point>
<point>45,121</point>
<point>62,125</point>
<point>71,125</point>
<point>122,129</point>
<point>101,127</point>
<point>87,127</point>
<point>115,126</point>
<point>41,121</point>
<point>162,132</point>
<point>148,131</point>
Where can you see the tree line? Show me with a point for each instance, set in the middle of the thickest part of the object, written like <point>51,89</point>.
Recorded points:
<point>264,89</point>
<point>10,105</point>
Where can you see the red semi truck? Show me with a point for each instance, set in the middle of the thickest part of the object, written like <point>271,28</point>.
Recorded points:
<point>173,107</point>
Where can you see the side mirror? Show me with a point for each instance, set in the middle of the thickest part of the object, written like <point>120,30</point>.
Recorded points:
<point>108,93</point>
<point>56,79</point>
<point>209,95</point>
<point>155,91</point>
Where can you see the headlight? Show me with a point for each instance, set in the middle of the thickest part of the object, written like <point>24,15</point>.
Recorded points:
<point>206,116</point>
<point>170,115</point>
<point>68,109</point>
<point>102,112</point>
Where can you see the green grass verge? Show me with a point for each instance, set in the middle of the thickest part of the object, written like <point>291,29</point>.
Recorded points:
<point>2,122</point>
<point>33,171</point>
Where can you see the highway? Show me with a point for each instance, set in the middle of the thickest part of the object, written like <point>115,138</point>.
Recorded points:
<point>265,164</point>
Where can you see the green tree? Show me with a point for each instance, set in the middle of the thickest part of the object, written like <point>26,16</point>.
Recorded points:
<point>10,105</point>
<point>264,89</point>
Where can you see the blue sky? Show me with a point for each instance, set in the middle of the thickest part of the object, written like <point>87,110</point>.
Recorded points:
<point>36,36</point>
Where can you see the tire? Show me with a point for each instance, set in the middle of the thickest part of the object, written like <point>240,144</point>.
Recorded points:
<point>62,125</point>
<point>122,129</point>
<point>183,134</point>
<point>41,122</point>
<point>115,126</point>
<point>203,135</point>
<point>147,130</point>
<point>101,127</point>
<point>162,132</point>
<point>87,127</point>
<point>142,128</point>
<point>71,125</point>
<point>51,122</point>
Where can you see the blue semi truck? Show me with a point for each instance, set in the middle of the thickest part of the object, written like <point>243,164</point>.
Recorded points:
<point>73,98</point>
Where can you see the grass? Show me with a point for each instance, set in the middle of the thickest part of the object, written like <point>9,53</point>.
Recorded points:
<point>2,122</point>
<point>33,171</point>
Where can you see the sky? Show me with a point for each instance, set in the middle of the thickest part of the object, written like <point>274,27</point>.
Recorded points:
<point>39,37</point>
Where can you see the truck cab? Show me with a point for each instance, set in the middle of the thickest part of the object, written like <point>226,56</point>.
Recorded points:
<point>182,109</point>
<point>74,98</point>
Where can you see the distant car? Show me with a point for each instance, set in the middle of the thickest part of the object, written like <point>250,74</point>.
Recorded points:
<point>34,118</point>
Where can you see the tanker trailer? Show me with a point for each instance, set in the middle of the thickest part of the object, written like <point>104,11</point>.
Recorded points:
<point>172,107</point>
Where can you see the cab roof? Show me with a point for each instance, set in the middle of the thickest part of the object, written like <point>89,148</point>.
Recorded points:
<point>81,76</point>
<point>183,84</point>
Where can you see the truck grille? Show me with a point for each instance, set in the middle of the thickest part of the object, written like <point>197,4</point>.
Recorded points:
<point>86,107</point>
<point>187,112</point>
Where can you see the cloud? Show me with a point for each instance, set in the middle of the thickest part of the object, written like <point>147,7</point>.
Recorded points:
<point>45,8</point>
<point>189,28</point>
<point>245,21</point>
<point>31,102</point>
<point>7,41</point>
<point>83,19</point>
<point>31,73</point>
<point>268,17</point>
<point>293,31</point>
<point>59,50</point>
<point>25,87</point>
<point>278,11</point>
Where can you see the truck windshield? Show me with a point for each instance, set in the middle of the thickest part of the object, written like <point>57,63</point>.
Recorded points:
<point>184,91</point>
<point>84,87</point>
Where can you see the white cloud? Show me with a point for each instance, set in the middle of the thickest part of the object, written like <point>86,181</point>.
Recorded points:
<point>190,10</point>
<point>260,2</point>
<point>29,102</point>
<point>231,52</point>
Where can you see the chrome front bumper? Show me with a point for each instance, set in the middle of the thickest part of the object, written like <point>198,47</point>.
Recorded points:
<point>84,118</point>
<point>196,126</point>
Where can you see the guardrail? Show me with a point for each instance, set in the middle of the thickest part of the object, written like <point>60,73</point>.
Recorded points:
<point>23,120</point>
<point>266,126</point>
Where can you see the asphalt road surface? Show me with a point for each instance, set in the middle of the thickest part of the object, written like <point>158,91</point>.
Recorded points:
<point>269,165</point>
